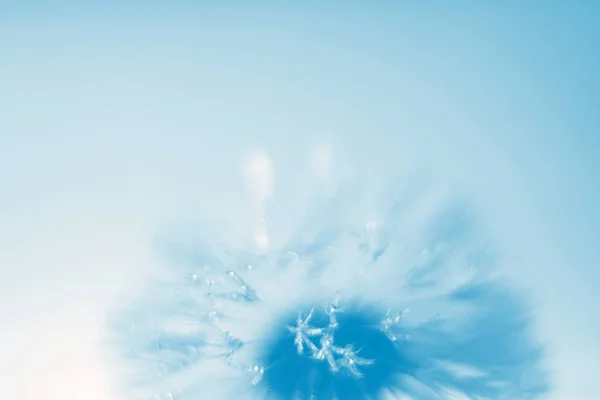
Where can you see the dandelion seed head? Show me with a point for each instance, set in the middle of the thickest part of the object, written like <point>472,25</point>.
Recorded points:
<point>347,308</point>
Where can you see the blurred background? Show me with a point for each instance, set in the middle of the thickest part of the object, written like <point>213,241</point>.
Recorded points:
<point>117,117</point>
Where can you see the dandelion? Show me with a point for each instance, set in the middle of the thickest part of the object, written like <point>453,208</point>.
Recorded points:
<point>346,309</point>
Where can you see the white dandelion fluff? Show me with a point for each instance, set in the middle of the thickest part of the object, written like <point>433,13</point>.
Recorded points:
<point>402,308</point>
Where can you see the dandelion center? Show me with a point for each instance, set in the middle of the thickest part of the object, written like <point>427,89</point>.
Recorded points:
<point>334,351</point>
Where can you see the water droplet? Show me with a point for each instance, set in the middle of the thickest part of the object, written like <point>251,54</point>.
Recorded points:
<point>290,259</point>
<point>213,316</point>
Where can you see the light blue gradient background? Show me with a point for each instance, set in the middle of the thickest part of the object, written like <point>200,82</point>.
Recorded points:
<point>114,116</point>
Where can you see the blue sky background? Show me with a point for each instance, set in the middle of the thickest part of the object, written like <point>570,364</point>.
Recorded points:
<point>117,115</point>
